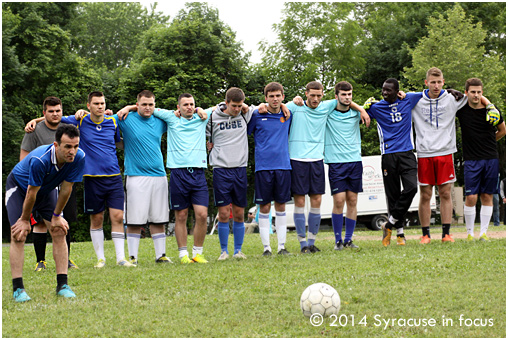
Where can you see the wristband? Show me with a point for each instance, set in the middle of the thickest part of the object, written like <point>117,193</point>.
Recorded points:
<point>60,215</point>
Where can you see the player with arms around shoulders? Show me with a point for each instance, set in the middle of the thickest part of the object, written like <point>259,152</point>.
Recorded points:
<point>30,188</point>
<point>481,159</point>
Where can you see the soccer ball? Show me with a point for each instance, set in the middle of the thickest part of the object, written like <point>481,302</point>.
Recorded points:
<point>320,298</point>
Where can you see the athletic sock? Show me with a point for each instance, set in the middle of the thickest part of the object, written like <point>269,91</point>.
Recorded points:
<point>446,229</point>
<point>400,232</point>
<point>40,240</point>
<point>182,251</point>
<point>426,231</point>
<point>97,236</point>
<point>281,228</point>
<point>469,217</point>
<point>196,251</point>
<point>238,234</point>
<point>133,244</point>
<point>223,229</point>
<point>299,219</point>
<point>118,241</point>
<point>17,283</point>
<point>159,244</point>
<point>314,222</point>
<point>337,224</point>
<point>350,229</point>
<point>264,230</point>
<point>61,279</point>
<point>485,215</point>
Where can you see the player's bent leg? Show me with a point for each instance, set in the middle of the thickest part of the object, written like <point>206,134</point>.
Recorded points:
<point>40,239</point>
<point>60,256</point>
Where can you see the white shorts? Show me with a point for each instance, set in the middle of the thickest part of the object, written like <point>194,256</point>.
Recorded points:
<point>146,200</point>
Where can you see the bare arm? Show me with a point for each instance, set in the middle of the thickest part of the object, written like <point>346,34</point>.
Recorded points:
<point>363,114</point>
<point>119,145</point>
<point>30,126</point>
<point>22,227</point>
<point>122,114</point>
<point>57,221</point>
<point>501,131</point>
<point>22,154</point>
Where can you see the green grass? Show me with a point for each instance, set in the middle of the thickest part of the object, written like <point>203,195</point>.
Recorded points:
<point>259,297</point>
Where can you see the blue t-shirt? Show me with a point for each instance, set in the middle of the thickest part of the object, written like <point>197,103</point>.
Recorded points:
<point>271,132</point>
<point>142,145</point>
<point>39,169</point>
<point>394,123</point>
<point>98,142</point>
<point>307,135</point>
<point>343,143</point>
<point>186,140</point>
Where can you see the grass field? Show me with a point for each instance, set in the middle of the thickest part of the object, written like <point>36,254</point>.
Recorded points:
<point>259,297</point>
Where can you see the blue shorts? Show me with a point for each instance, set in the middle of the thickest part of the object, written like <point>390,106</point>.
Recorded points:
<point>15,197</point>
<point>186,187</point>
<point>101,192</point>
<point>480,177</point>
<point>307,178</point>
<point>230,186</point>
<point>345,176</point>
<point>272,185</point>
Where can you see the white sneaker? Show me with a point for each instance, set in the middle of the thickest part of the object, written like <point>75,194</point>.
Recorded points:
<point>100,264</point>
<point>125,263</point>
<point>223,256</point>
<point>240,255</point>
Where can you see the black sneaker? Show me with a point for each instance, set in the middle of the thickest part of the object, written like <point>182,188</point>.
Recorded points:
<point>339,245</point>
<point>283,251</point>
<point>305,250</point>
<point>350,244</point>
<point>267,253</point>
<point>313,249</point>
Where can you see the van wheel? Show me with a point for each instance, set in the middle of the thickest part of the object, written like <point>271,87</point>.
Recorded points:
<point>378,221</point>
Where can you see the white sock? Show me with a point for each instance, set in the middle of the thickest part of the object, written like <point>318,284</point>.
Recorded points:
<point>485,215</point>
<point>159,244</point>
<point>264,230</point>
<point>118,241</point>
<point>400,231</point>
<point>281,227</point>
<point>133,244</point>
<point>182,251</point>
<point>97,236</point>
<point>469,216</point>
<point>392,220</point>
<point>196,250</point>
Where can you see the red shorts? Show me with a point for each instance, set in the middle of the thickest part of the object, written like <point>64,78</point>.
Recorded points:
<point>436,170</point>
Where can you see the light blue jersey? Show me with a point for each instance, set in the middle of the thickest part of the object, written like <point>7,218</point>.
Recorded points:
<point>186,140</point>
<point>342,138</point>
<point>142,144</point>
<point>307,134</point>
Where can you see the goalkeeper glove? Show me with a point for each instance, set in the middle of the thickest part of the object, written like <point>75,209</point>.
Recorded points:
<point>369,102</point>
<point>493,115</point>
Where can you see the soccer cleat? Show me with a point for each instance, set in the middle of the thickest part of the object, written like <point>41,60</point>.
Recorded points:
<point>40,266</point>
<point>401,241</point>
<point>283,251</point>
<point>163,259</point>
<point>240,256</point>
<point>223,256</point>
<point>339,245</point>
<point>470,238</point>
<point>387,235</point>
<point>185,260</point>
<point>267,253</point>
<point>351,245</point>
<point>199,258</point>
<point>305,250</point>
<point>66,292</point>
<point>484,237</point>
<point>447,238</point>
<point>125,263</point>
<point>100,264</point>
<point>20,295</point>
<point>72,265</point>
<point>424,239</point>
<point>313,249</point>
<point>133,260</point>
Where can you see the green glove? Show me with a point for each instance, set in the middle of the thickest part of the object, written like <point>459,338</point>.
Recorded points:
<point>493,115</point>
<point>369,102</point>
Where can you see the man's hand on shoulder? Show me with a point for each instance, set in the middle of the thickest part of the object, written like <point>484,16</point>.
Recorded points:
<point>30,126</point>
<point>201,113</point>
<point>124,112</point>
<point>263,108</point>
<point>298,100</point>
<point>457,94</point>
<point>369,102</point>
<point>80,114</point>
<point>285,111</point>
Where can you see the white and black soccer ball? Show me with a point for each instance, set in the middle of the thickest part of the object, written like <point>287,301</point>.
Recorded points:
<point>320,298</point>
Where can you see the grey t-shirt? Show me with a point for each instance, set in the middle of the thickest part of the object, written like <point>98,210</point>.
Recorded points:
<point>41,136</point>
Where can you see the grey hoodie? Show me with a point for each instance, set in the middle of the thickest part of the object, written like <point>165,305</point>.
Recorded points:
<point>229,137</point>
<point>434,123</point>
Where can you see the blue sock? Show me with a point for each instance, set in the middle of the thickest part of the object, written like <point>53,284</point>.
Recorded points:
<point>223,228</point>
<point>314,222</point>
<point>350,228</point>
<point>337,223</point>
<point>299,220</point>
<point>238,233</point>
